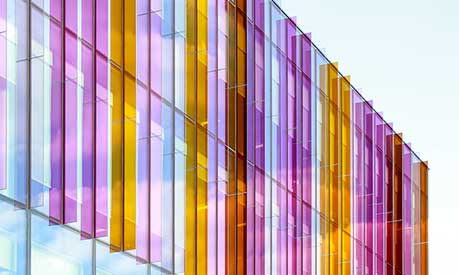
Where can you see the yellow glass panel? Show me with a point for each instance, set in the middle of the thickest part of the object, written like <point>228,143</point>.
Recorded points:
<point>201,26</point>
<point>129,162</point>
<point>190,200</point>
<point>129,36</point>
<point>202,92</point>
<point>116,224</point>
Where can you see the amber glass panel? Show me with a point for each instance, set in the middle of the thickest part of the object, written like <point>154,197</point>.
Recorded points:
<point>191,59</point>
<point>116,222</point>
<point>129,162</point>
<point>345,171</point>
<point>190,200</point>
<point>231,216</point>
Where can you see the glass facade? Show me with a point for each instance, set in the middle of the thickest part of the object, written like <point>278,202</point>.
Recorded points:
<point>194,137</point>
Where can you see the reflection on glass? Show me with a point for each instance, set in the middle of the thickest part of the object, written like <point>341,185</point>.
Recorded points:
<point>58,250</point>
<point>116,263</point>
<point>12,240</point>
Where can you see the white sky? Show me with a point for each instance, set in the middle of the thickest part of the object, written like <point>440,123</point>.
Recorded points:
<point>405,56</point>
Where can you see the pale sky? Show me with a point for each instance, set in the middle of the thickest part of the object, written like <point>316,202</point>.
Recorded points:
<point>404,54</point>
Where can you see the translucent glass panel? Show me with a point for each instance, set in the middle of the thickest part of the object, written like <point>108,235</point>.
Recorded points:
<point>12,239</point>
<point>199,137</point>
<point>58,250</point>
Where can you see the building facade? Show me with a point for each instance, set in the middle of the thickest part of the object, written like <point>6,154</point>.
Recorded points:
<point>194,137</point>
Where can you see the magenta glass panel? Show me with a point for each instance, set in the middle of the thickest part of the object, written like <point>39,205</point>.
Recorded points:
<point>57,164</point>
<point>368,189</point>
<point>380,187</point>
<point>291,148</point>
<point>259,137</point>
<point>102,26</point>
<point>306,118</point>
<point>102,121</point>
<point>282,145</point>
<point>87,26</point>
<point>407,210</point>
<point>212,205</point>
<point>71,129</point>
<point>259,238</point>
<point>88,142</point>
<point>306,153</point>
<point>251,208</point>
<point>307,239</point>
<point>358,207</point>
<point>71,15</point>
<point>56,9</point>
<point>250,93</point>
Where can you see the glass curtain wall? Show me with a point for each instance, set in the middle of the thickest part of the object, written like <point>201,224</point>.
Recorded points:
<point>194,137</point>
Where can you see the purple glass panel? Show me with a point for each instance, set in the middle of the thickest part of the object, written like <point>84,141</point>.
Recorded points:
<point>88,194</point>
<point>156,177</point>
<point>55,193</point>
<point>368,189</point>
<point>56,9</point>
<point>143,175</point>
<point>3,20</point>
<point>102,26</point>
<point>259,222</point>
<point>250,242</point>
<point>379,194</point>
<point>282,134</point>
<point>307,239</point>
<point>87,20</point>
<point>102,120</point>
<point>407,210</point>
<point>306,154</point>
<point>291,144</point>
<point>358,221</point>
<point>71,129</point>
<point>156,50</point>
<point>142,44</point>
<point>212,102</point>
<point>71,15</point>
<point>212,205</point>
<point>250,93</point>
